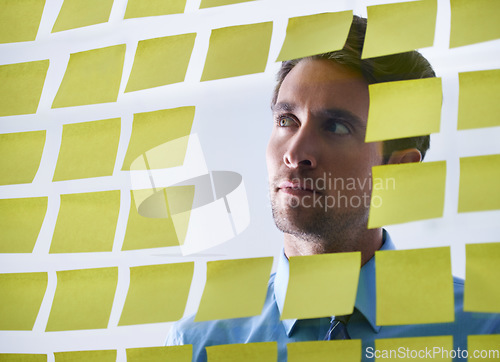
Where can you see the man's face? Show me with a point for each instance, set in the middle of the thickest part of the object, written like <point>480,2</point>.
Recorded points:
<point>318,163</point>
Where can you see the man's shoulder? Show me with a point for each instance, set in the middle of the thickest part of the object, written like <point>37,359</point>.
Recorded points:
<point>471,321</point>
<point>217,331</point>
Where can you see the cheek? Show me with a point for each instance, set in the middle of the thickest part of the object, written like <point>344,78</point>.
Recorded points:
<point>273,155</point>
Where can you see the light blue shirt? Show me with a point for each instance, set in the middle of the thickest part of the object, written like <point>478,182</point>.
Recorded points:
<point>362,325</point>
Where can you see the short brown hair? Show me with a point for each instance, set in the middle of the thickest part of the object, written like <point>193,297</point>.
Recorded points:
<point>394,67</point>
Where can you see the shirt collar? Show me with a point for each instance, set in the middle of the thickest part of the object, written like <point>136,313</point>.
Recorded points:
<point>365,297</point>
<point>280,286</point>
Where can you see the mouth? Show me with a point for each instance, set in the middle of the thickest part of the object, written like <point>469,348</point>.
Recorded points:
<point>295,188</point>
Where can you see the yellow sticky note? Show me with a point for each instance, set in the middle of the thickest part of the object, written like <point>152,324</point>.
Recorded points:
<point>397,195</point>
<point>237,50</point>
<point>22,295</point>
<point>21,86</point>
<point>160,61</point>
<point>212,3</point>
<point>166,202</point>
<point>152,129</point>
<point>483,348</point>
<point>307,297</point>
<point>479,187</point>
<point>80,13</point>
<point>22,357</point>
<point>399,27</point>
<point>469,24</point>
<point>141,8</point>
<point>315,34</point>
<point>478,105</point>
<point>20,155</point>
<point>403,109</point>
<point>438,348</point>
<point>243,352</point>
<point>414,286</point>
<point>182,353</point>
<point>83,299</point>
<point>325,351</point>
<point>86,356</point>
<point>86,222</point>
<point>19,20</point>
<point>157,293</point>
<point>88,149</point>
<point>482,272</point>
<point>172,205</point>
<point>234,288</point>
<point>92,76</point>
<point>20,222</point>
<point>147,232</point>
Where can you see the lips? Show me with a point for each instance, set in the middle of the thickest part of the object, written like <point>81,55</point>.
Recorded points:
<point>295,188</point>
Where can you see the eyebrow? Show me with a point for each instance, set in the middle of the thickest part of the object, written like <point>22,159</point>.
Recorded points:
<point>282,106</point>
<point>331,113</point>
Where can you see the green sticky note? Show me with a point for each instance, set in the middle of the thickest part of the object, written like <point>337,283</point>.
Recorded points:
<point>80,13</point>
<point>479,187</point>
<point>83,299</point>
<point>478,104</point>
<point>160,61</point>
<point>237,50</point>
<point>399,27</point>
<point>157,293</point>
<point>19,20</point>
<point>152,129</point>
<point>415,348</point>
<point>234,288</point>
<point>141,8</point>
<point>22,357</point>
<point>88,149</point>
<point>315,34</point>
<point>86,356</point>
<point>483,348</point>
<point>182,353</point>
<point>482,272</point>
<point>20,155</point>
<point>92,76</point>
<point>414,286</point>
<point>212,3</point>
<point>243,352</point>
<point>403,109</point>
<point>469,24</point>
<point>22,295</point>
<point>86,222</point>
<point>20,222</point>
<point>348,350</point>
<point>397,195</point>
<point>147,232</point>
<point>21,86</point>
<point>307,297</point>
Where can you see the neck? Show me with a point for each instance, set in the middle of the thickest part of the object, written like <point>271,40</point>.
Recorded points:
<point>367,242</point>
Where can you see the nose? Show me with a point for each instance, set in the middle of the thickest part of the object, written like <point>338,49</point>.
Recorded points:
<point>302,150</point>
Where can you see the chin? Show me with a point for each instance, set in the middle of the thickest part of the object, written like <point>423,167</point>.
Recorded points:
<point>316,223</point>
<point>298,220</point>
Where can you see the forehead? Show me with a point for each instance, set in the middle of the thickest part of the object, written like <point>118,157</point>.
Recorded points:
<point>319,84</point>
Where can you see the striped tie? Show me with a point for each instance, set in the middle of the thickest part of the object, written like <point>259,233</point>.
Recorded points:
<point>338,330</point>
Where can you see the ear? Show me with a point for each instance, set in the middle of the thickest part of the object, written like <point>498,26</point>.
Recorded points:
<point>405,156</point>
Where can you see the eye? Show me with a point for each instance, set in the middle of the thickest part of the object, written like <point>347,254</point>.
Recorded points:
<point>338,128</point>
<point>285,121</point>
